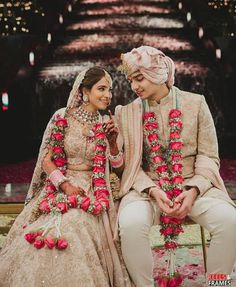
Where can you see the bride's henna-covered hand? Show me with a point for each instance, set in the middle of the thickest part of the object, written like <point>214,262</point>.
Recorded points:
<point>69,189</point>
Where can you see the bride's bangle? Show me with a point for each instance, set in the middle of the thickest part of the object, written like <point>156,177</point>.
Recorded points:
<point>57,178</point>
<point>116,161</point>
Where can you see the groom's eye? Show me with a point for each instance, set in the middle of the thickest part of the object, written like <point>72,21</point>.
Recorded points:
<point>139,78</point>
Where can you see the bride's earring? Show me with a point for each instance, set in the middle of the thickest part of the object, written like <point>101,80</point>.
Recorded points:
<point>85,100</point>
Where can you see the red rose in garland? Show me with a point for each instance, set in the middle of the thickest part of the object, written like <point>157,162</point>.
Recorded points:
<point>168,167</point>
<point>55,202</point>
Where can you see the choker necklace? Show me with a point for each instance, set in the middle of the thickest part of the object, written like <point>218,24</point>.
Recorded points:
<point>86,117</point>
<point>87,121</point>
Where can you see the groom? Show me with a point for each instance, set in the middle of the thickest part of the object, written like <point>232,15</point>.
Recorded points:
<point>144,187</point>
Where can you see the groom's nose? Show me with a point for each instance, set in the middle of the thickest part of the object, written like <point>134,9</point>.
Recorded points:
<point>134,86</point>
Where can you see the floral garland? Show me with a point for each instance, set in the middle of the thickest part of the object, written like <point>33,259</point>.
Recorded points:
<point>55,202</point>
<point>168,165</point>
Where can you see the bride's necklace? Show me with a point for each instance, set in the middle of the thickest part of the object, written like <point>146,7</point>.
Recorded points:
<point>87,120</point>
<point>86,116</point>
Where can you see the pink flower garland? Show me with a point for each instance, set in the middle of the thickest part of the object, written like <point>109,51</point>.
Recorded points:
<point>55,202</point>
<point>169,170</point>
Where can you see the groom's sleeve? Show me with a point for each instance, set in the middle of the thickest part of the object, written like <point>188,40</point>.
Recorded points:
<point>142,181</point>
<point>207,145</point>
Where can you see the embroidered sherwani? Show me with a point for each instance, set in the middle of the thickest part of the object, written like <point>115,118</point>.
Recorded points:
<point>198,135</point>
<point>200,141</point>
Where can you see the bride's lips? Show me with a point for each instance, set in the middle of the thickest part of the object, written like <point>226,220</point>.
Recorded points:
<point>104,102</point>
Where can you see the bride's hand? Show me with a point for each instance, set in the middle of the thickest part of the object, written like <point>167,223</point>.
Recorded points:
<point>69,189</point>
<point>111,130</point>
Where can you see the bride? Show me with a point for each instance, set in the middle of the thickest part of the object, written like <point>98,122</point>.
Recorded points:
<point>63,237</point>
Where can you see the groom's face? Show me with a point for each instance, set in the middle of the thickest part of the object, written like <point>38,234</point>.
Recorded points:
<point>142,87</point>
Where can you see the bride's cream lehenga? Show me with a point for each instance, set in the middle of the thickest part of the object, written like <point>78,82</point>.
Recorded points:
<point>92,259</point>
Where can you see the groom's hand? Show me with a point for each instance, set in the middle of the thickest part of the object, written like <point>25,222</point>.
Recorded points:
<point>186,199</point>
<point>165,204</point>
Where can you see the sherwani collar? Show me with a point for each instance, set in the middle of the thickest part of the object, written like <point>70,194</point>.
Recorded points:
<point>167,100</point>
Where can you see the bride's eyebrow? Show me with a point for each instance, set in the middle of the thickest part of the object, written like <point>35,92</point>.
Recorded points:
<point>102,86</point>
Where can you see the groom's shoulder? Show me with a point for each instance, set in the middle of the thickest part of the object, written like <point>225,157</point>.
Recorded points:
<point>190,97</point>
<point>136,102</point>
<point>131,107</point>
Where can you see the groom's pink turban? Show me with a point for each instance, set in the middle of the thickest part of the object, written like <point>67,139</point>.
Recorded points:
<point>152,63</point>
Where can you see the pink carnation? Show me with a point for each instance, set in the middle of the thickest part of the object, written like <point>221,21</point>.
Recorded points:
<point>174,113</point>
<point>57,136</point>
<point>50,188</point>
<point>73,201</point>
<point>97,208</point>
<point>150,126</point>
<point>39,243</point>
<point>157,159</point>
<point>148,115</point>
<point>162,168</point>
<point>155,147</point>
<point>98,169</point>
<point>177,167</point>
<point>100,135</point>
<point>98,158</point>
<point>85,203</point>
<point>105,201</point>
<point>176,145</point>
<point>176,157</point>
<point>57,149</point>
<point>61,122</point>
<point>60,161</point>
<point>178,179</point>
<point>50,242</point>
<point>61,244</point>
<point>30,237</point>
<point>167,231</point>
<point>97,126</point>
<point>174,135</point>
<point>100,148</point>
<point>170,245</point>
<point>176,124</point>
<point>44,207</point>
<point>152,137</point>
<point>102,193</point>
<point>99,181</point>
<point>163,181</point>
<point>63,207</point>
<point>176,191</point>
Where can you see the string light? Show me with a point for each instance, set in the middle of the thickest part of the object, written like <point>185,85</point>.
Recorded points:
<point>61,19</point>
<point>218,53</point>
<point>14,15</point>
<point>189,16</point>
<point>69,8</point>
<point>31,58</point>
<point>200,32</point>
<point>49,38</point>
<point>180,5</point>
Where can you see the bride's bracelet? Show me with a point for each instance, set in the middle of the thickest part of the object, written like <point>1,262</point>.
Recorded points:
<point>57,178</point>
<point>116,161</point>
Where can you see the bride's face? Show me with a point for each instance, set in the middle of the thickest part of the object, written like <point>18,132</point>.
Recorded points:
<point>100,95</point>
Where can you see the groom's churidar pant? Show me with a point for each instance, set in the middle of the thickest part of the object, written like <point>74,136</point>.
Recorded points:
<point>136,219</point>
